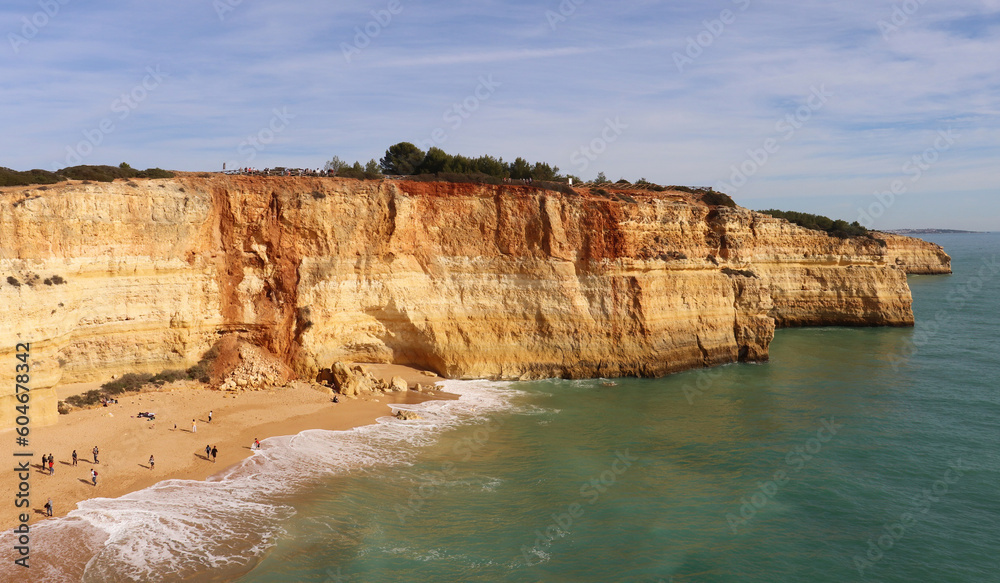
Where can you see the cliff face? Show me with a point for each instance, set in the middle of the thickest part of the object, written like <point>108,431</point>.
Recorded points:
<point>914,258</point>
<point>471,281</point>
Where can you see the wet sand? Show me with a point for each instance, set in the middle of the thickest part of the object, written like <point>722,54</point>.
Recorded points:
<point>126,441</point>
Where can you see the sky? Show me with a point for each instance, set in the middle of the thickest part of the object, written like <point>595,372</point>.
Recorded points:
<point>883,112</point>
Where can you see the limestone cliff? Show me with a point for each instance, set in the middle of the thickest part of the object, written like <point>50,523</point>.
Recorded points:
<point>470,281</point>
<point>913,257</point>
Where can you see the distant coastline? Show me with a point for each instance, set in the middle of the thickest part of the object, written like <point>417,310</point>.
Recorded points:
<point>929,231</point>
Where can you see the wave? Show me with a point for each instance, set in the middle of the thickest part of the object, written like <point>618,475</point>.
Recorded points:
<point>217,529</point>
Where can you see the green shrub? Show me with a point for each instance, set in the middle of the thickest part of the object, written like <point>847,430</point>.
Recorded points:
<point>10,177</point>
<point>168,376</point>
<point>201,372</point>
<point>110,173</point>
<point>356,172</point>
<point>713,198</point>
<point>154,173</point>
<point>95,173</point>
<point>837,228</point>
<point>127,383</point>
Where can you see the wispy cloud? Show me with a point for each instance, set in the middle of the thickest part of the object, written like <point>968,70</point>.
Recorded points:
<point>893,88</point>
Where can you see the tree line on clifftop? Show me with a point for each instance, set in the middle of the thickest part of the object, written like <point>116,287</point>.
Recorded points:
<point>837,228</point>
<point>407,160</point>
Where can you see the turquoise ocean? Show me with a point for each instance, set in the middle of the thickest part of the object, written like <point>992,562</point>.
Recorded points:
<point>855,454</point>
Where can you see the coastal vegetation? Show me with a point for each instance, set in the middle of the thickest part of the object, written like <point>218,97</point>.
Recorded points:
<point>10,177</point>
<point>406,159</point>
<point>837,228</point>
<point>136,382</point>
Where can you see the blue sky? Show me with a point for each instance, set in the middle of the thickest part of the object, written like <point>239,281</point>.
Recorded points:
<point>804,105</point>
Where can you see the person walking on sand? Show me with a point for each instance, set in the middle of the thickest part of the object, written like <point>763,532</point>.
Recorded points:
<point>215,452</point>
<point>48,507</point>
<point>95,455</point>
<point>208,451</point>
<point>45,462</point>
<point>93,476</point>
<point>74,457</point>
<point>194,427</point>
<point>209,416</point>
<point>52,465</point>
<point>150,461</point>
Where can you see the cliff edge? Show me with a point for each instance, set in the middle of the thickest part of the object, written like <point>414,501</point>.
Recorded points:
<point>470,281</point>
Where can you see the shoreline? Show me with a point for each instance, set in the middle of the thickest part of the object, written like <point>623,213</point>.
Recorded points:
<point>125,441</point>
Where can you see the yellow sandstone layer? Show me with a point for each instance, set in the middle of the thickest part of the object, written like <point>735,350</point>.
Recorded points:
<point>467,280</point>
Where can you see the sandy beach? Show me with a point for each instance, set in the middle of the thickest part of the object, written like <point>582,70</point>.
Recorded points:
<point>126,441</point>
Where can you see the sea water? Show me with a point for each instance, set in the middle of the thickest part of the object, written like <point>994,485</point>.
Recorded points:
<point>855,454</point>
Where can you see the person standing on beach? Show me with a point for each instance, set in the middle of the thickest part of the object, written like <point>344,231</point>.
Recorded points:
<point>256,443</point>
<point>48,507</point>
<point>194,427</point>
<point>215,452</point>
<point>95,455</point>
<point>52,465</point>
<point>45,462</point>
<point>74,457</point>
<point>209,416</point>
<point>150,461</point>
<point>208,451</point>
<point>93,475</point>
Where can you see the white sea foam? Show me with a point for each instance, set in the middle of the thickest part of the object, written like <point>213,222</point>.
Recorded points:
<point>178,529</point>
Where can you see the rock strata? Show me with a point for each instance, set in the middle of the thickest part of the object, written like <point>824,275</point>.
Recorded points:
<point>470,281</point>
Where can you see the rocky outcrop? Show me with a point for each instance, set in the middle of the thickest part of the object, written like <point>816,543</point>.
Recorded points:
<point>357,381</point>
<point>914,255</point>
<point>469,281</point>
<point>407,415</point>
